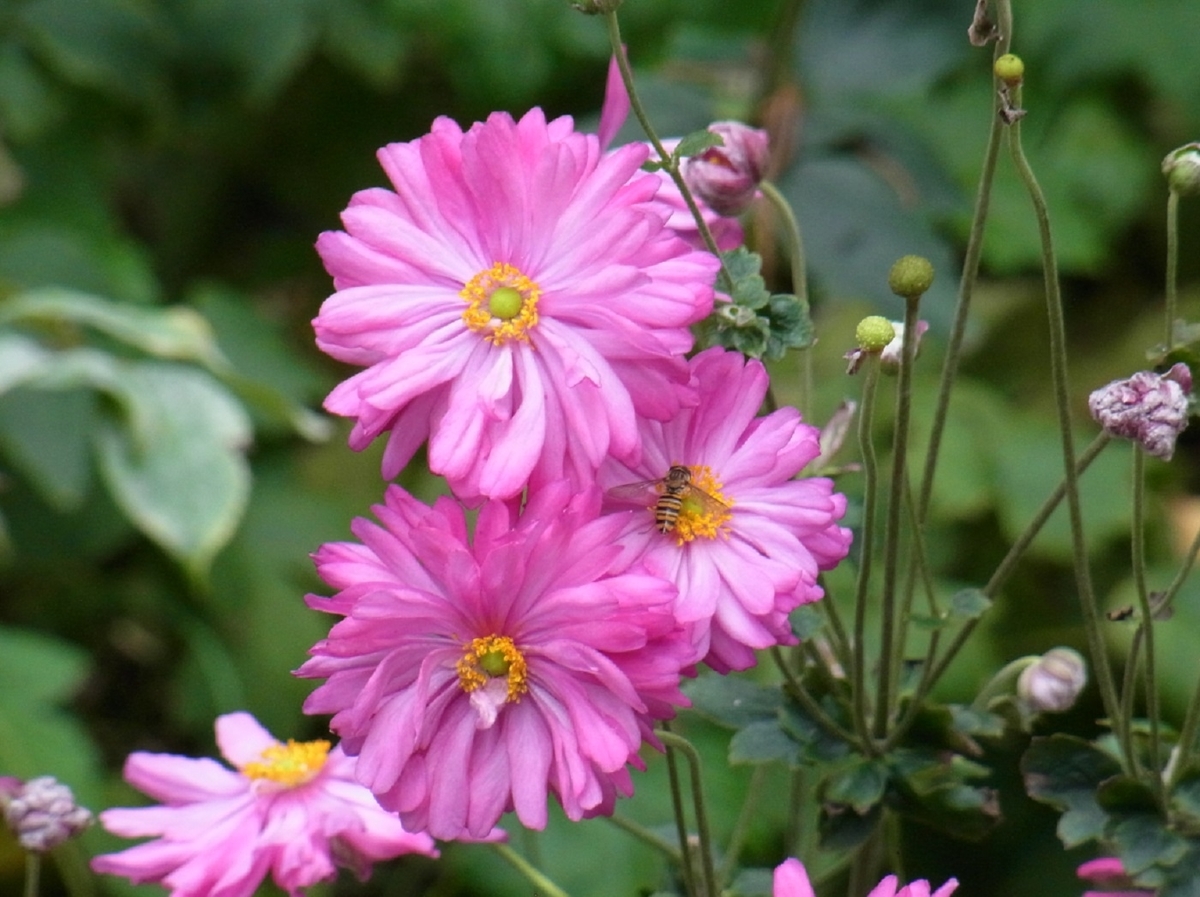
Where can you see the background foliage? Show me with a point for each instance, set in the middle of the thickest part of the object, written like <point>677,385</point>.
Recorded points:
<point>167,164</point>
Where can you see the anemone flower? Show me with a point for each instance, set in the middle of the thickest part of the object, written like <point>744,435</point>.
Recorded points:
<point>745,540</point>
<point>791,880</point>
<point>472,676</point>
<point>292,811</point>
<point>516,299</point>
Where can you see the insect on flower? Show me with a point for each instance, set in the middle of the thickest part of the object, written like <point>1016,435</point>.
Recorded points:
<point>668,495</point>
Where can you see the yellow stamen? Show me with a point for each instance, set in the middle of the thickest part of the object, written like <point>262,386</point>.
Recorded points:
<point>501,304</point>
<point>492,657</point>
<point>289,764</point>
<point>699,517</point>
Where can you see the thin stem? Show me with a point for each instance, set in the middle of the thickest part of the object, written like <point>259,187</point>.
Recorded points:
<point>647,837</point>
<point>841,641</point>
<point>741,828</point>
<point>33,872</point>
<point>1184,569</point>
<point>1002,682</point>
<point>932,671</point>
<point>668,162</point>
<point>797,690</point>
<point>799,267</point>
<point>686,867</point>
<point>531,872</point>
<point>891,537</point>
<point>966,284</point>
<point>678,743</point>
<point>866,550</point>
<point>1138,560</point>
<point>1187,738</point>
<point>1172,266</point>
<point>1062,395</point>
<point>1133,662</point>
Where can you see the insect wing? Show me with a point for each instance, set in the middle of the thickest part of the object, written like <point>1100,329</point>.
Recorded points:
<point>707,503</point>
<point>643,493</point>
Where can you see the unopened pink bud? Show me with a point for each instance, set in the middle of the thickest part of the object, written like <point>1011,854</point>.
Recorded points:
<point>43,814</point>
<point>726,177</point>
<point>1148,407</point>
<point>1054,681</point>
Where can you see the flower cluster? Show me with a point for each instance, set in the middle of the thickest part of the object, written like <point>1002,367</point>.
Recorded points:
<point>791,880</point>
<point>520,300</point>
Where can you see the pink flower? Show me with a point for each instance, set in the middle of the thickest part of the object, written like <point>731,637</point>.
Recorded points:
<point>749,539</point>
<point>791,880</point>
<point>292,811</point>
<point>476,676</point>
<point>1109,874</point>
<point>726,177</point>
<point>1147,407</point>
<point>516,299</point>
<point>727,232</point>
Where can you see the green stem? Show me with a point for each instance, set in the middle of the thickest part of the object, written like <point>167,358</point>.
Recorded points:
<point>686,866</point>
<point>648,837</point>
<point>966,284</point>
<point>33,872</point>
<point>1138,559</point>
<point>678,743</point>
<point>531,872</point>
<point>797,690</point>
<point>1003,682</point>
<point>870,464</point>
<point>741,828</point>
<point>799,267</point>
<point>1172,266</point>
<point>933,671</point>
<point>669,164</point>
<point>1062,391</point>
<point>891,537</point>
<point>1181,576</point>
<point>1187,739</point>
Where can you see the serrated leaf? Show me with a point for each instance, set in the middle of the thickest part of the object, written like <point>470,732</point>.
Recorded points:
<point>1065,772</point>
<point>1185,796</point>
<point>179,473</point>
<point>762,742</point>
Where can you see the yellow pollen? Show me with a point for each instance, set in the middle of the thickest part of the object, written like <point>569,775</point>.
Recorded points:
<point>699,517</point>
<point>501,304</point>
<point>289,764</point>
<point>492,657</point>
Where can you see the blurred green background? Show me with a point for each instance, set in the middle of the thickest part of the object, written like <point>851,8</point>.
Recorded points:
<point>166,165</point>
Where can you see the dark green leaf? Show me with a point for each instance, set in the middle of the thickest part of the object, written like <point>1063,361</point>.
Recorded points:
<point>1185,797</point>
<point>1065,772</point>
<point>1143,840</point>
<point>1125,794</point>
<point>733,702</point>
<point>807,621</point>
<point>762,742</point>
<point>753,883</point>
<point>842,829</point>
<point>860,785</point>
<point>46,434</point>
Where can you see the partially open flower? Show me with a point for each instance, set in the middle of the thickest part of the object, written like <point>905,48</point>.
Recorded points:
<point>726,177</point>
<point>1054,681</point>
<point>889,358</point>
<point>1109,874</point>
<point>42,813</point>
<point>1147,407</point>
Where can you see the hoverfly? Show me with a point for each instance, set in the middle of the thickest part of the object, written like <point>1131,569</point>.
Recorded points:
<point>668,494</point>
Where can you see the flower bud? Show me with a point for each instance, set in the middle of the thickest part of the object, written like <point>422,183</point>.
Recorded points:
<point>910,276</point>
<point>873,333</point>
<point>1053,682</point>
<point>1009,68</point>
<point>893,352</point>
<point>726,177</point>
<point>43,814</point>
<point>1149,408</point>
<point>1182,168</point>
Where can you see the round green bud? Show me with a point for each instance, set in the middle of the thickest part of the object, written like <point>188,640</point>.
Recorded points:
<point>1182,168</point>
<point>1009,68</point>
<point>505,303</point>
<point>911,276</point>
<point>874,333</point>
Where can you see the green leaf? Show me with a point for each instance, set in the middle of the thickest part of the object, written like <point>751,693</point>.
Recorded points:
<point>1126,794</point>
<point>697,142</point>
<point>969,604</point>
<point>46,435</point>
<point>807,621</point>
<point>1185,798</point>
<point>762,742</point>
<point>842,830</point>
<point>1065,772</point>
<point>860,785</point>
<point>733,702</point>
<point>177,468</point>
<point>1143,840</point>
